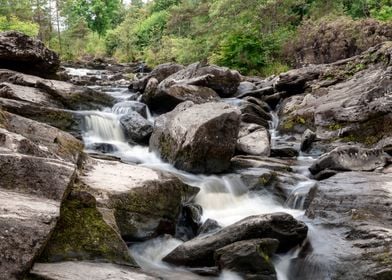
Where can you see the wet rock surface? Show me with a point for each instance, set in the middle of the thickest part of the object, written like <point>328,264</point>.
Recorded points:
<point>356,206</point>
<point>200,251</point>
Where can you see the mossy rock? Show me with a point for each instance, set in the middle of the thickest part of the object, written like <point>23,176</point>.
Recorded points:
<point>82,234</point>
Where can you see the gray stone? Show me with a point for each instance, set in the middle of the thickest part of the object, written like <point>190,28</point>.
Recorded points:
<point>202,144</point>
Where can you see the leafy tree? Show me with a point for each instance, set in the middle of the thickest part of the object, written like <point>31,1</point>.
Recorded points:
<point>100,15</point>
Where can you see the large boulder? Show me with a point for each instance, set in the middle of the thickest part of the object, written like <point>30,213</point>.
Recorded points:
<point>200,251</point>
<point>250,258</point>
<point>137,129</point>
<point>253,140</point>
<point>349,158</point>
<point>38,165</point>
<point>197,138</point>
<point>51,93</point>
<point>22,53</point>
<point>222,80</point>
<point>60,118</point>
<point>82,234</point>
<point>166,97</point>
<point>159,73</point>
<point>142,203</point>
<point>349,100</point>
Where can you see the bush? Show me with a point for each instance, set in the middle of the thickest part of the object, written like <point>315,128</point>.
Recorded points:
<point>13,23</point>
<point>180,50</point>
<point>333,38</point>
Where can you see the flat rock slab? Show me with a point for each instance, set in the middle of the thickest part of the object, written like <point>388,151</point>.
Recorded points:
<point>25,226</point>
<point>356,207</point>
<point>87,271</point>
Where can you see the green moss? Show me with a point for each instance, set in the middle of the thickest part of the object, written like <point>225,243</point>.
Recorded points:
<point>335,126</point>
<point>82,234</point>
<point>69,145</point>
<point>267,179</point>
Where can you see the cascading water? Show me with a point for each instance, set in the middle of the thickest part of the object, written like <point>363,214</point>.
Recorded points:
<point>225,198</point>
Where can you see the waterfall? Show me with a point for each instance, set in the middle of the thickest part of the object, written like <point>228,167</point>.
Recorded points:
<point>102,127</point>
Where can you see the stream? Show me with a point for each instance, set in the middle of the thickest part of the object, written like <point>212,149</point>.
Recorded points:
<point>224,198</point>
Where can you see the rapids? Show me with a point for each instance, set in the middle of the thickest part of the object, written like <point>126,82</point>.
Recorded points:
<point>224,198</point>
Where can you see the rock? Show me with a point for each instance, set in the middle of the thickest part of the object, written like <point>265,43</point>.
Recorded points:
<point>200,251</point>
<point>166,97</point>
<point>324,174</point>
<point>254,109</point>
<point>284,151</point>
<point>22,53</point>
<point>21,214</point>
<point>253,140</point>
<point>262,104</point>
<point>223,81</point>
<point>87,270</point>
<point>245,87</point>
<point>160,73</point>
<point>250,258</point>
<point>349,158</point>
<point>308,137</point>
<point>354,209</point>
<point>28,94</point>
<point>209,226</point>
<point>35,139</point>
<point>82,234</point>
<point>62,119</point>
<point>141,202</point>
<point>199,145</point>
<point>103,147</point>
<point>136,128</point>
<point>189,221</point>
<point>295,81</point>
<point>127,107</point>
<point>253,118</point>
<point>258,92</point>
<point>37,171</point>
<point>242,162</point>
<point>355,108</point>
<point>75,97</point>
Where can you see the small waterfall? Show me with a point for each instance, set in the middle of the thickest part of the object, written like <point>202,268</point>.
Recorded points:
<point>273,124</point>
<point>299,195</point>
<point>102,127</point>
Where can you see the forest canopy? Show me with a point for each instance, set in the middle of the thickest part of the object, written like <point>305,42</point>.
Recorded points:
<point>253,36</point>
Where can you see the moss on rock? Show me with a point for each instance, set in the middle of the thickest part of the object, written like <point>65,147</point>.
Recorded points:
<point>82,234</point>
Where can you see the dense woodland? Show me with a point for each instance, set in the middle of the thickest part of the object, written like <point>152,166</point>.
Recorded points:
<point>254,36</point>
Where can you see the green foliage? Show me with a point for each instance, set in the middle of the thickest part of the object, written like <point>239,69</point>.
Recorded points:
<point>13,23</point>
<point>150,30</point>
<point>100,15</point>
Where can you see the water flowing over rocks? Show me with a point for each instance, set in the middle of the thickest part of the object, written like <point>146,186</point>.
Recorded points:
<point>66,214</point>
<point>356,206</point>
<point>200,251</point>
<point>87,270</point>
<point>22,53</point>
<point>199,145</point>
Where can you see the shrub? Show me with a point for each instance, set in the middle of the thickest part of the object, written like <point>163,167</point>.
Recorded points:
<point>13,23</point>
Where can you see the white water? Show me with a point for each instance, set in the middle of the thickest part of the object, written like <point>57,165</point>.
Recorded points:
<point>225,198</point>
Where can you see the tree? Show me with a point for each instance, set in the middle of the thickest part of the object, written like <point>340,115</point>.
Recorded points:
<point>99,14</point>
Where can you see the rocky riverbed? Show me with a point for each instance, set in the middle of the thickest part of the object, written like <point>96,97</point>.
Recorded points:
<point>193,172</point>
